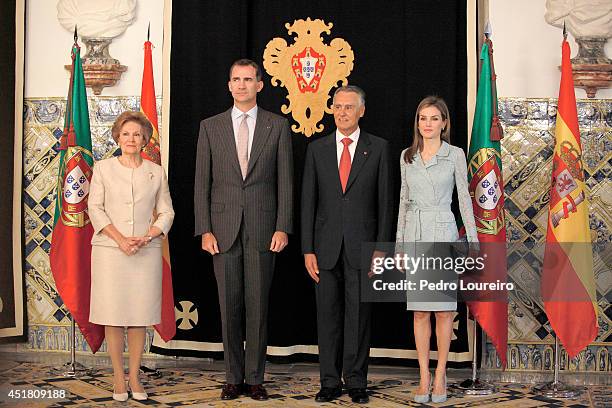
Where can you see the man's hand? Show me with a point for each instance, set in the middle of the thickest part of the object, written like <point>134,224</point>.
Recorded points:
<point>375,255</point>
<point>279,241</point>
<point>209,243</point>
<point>310,260</point>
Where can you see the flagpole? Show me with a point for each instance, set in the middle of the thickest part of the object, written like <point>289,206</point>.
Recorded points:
<point>68,141</point>
<point>150,155</point>
<point>475,386</point>
<point>73,369</point>
<point>578,232</point>
<point>556,388</point>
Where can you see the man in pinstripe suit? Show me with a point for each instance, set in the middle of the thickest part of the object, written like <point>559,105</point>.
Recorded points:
<point>243,211</point>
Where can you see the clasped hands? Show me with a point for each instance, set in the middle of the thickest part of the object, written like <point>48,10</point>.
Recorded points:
<point>131,245</point>
<point>279,241</point>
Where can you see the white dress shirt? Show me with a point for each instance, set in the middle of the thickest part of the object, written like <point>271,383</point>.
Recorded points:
<point>251,120</point>
<point>340,146</point>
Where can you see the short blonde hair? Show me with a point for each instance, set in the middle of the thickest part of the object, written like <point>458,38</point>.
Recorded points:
<point>136,117</point>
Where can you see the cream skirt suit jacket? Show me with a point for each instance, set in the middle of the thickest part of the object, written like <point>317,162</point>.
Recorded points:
<point>126,290</point>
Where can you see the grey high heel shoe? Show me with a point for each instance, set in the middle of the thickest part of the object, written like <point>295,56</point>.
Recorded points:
<point>438,398</point>
<point>423,398</point>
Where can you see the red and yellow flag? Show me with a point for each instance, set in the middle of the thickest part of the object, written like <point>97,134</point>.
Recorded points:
<point>148,106</point>
<point>568,283</point>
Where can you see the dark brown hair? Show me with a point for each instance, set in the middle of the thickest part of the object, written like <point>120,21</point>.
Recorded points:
<point>136,117</point>
<point>417,142</point>
<point>244,62</point>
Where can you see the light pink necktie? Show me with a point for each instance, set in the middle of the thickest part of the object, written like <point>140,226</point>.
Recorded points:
<point>242,145</point>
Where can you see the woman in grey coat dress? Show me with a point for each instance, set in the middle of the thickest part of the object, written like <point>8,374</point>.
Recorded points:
<point>430,169</point>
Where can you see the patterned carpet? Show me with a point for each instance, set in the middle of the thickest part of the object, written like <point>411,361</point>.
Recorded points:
<point>288,387</point>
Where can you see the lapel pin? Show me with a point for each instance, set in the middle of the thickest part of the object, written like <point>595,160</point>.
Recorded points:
<point>365,153</point>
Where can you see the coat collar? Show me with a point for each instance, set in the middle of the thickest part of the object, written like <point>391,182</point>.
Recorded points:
<point>228,140</point>
<point>362,152</point>
<point>263,127</point>
<point>442,152</point>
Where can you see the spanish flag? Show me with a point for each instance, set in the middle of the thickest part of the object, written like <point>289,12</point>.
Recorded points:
<point>568,284</point>
<point>148,106</point>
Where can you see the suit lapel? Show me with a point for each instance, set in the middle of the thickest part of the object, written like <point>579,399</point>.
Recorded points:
<point>362,152</point>
<point>228,140</point>
<point>260,137</point>
<point>330,159</point>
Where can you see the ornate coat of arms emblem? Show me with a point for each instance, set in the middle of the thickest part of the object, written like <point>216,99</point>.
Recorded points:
<point>567,173</point>
<point>75,189</point>
<point>487,183</point>
<point>308,69</point>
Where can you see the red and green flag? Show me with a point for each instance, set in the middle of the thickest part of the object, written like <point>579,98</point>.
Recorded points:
<point>70,255</point>
<point>486,187</point>
<point>568,282</point>
<point>167,327</point>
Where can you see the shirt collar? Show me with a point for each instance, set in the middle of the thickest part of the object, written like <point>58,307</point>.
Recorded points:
<point>353,136</point>
<point>252,113</point>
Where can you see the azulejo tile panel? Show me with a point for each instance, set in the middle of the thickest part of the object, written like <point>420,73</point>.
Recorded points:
<point>526,152</point>
<point>527,149</point>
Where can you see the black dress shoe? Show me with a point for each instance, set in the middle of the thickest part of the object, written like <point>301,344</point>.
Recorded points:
<point>231,391</point>
<point>358,395</point>
<point>328,394</point>
<point>256,392</point>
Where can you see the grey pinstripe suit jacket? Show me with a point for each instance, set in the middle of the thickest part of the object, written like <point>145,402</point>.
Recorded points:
<point>264,198</point>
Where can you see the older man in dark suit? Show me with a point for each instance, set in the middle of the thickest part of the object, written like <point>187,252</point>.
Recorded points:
<point>346,201</point>
<point>243,211</point>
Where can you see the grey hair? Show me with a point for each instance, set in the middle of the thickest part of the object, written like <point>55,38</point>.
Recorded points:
<point>354,89</point>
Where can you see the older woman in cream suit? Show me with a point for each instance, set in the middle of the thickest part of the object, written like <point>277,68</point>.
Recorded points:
<point>131,211</point>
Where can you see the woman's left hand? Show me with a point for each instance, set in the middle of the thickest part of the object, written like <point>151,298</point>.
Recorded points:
<point>154,232</point>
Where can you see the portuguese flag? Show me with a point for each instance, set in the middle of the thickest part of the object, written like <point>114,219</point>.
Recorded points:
<point>167,327</point>
<point>568,284</point>
<point>486,187</point>
<point>70,255</point>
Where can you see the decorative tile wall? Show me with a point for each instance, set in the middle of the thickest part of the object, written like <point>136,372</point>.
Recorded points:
<point>527,148</point>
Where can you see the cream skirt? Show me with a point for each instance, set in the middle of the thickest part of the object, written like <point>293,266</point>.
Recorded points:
<point>125,290</point>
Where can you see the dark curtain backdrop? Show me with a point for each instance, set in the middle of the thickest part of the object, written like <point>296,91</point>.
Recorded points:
<point>404,50</point>
<point>7,118</point>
